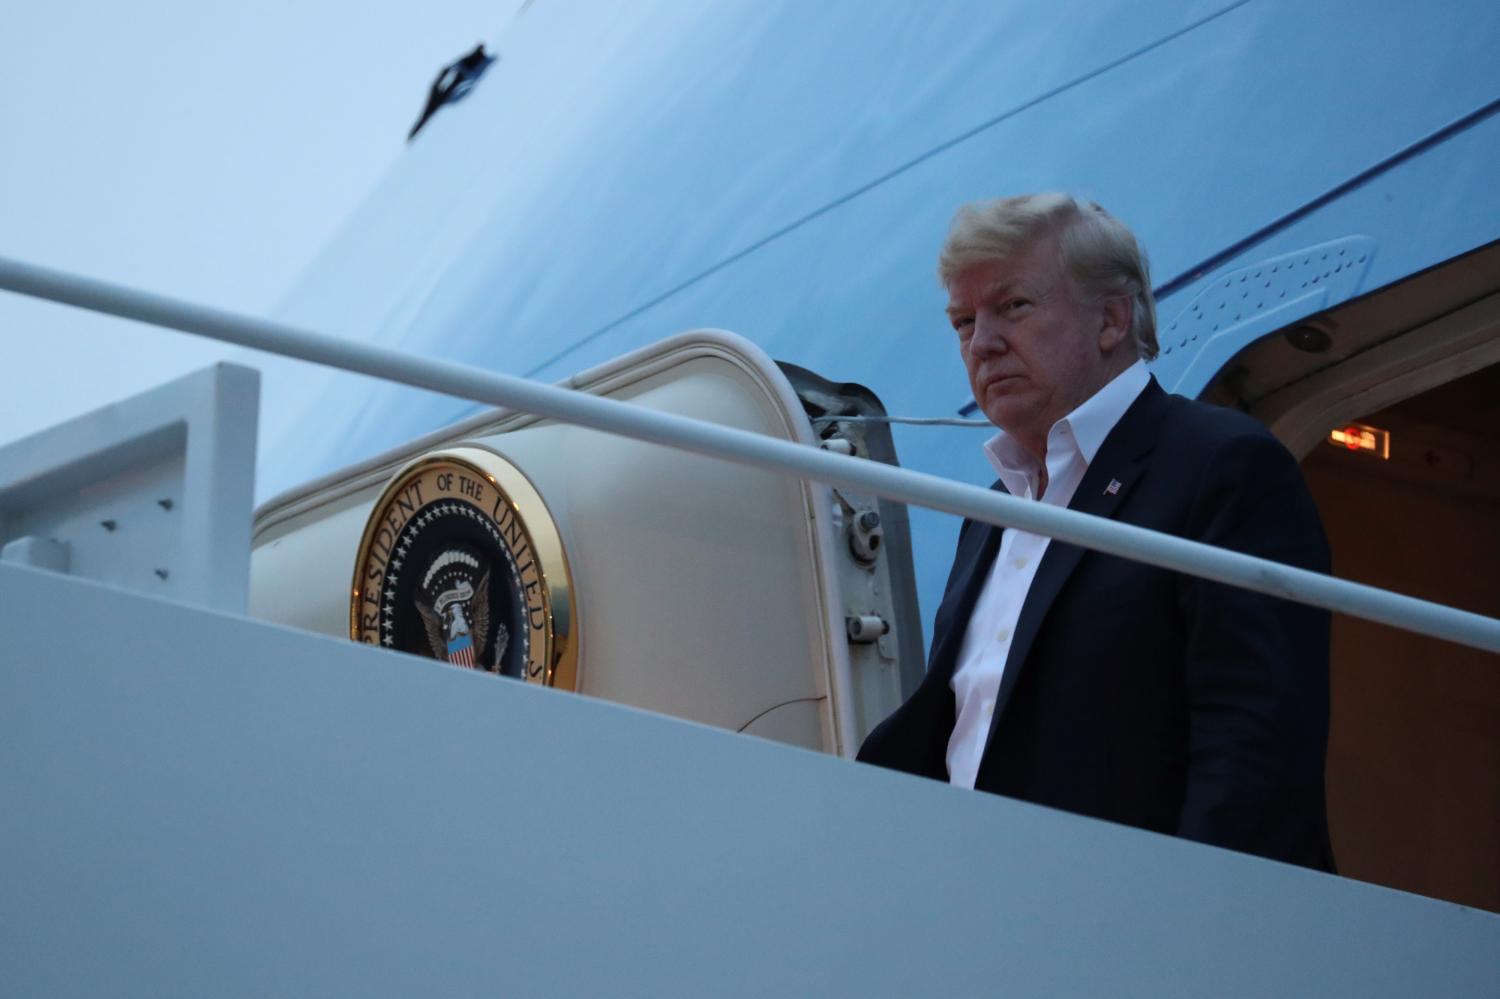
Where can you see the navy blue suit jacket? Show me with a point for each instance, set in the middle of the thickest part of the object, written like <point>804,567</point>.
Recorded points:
<point>1144,696</point>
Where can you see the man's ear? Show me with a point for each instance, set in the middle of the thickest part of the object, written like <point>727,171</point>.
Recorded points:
<point>1114,326</point>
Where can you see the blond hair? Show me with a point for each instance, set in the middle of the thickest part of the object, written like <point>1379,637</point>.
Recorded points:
<point>1097,249</point>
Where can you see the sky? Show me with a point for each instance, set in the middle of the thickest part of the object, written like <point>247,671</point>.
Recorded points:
<point>200,150</point>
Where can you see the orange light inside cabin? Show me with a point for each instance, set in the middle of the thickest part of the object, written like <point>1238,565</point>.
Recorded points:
<point>1358,437</point>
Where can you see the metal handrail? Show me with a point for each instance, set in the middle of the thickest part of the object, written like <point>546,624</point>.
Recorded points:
<point>899,484</point>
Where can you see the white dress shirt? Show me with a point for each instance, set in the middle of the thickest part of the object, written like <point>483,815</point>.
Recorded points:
<point>1071,445</point>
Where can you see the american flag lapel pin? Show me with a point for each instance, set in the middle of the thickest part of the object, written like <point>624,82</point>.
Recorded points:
<point>1112,488</point>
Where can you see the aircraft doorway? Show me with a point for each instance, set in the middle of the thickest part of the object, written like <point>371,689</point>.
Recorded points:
<point>1414,746</point>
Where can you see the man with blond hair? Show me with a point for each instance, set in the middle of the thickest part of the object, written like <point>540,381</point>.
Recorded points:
<point>1084,681</point>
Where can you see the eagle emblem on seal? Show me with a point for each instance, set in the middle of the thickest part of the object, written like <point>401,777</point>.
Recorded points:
<point>454,601</point>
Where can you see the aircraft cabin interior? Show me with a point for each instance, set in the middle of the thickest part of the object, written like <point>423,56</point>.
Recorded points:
<point>1409,491</point>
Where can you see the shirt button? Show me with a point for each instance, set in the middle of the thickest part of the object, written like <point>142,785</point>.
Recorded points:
<point>1003,635</point>
<point>1021,562</point>
<point>989,708</point>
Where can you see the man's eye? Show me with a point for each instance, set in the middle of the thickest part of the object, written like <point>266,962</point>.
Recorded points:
<point>964,325</point>
<point>1016,304</point>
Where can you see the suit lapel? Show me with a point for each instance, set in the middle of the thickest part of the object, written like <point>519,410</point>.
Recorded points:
<point>1120,463</point>
<point>968,580</point>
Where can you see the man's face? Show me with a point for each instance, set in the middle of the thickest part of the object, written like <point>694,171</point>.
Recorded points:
<point>1033,350</point>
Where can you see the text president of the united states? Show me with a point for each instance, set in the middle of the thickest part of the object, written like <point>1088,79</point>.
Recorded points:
<point>1084,681</point>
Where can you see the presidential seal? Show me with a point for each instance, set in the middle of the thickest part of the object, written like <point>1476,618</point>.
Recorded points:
<point>461,562</point>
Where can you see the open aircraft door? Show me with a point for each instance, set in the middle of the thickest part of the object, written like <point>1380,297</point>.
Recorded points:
<point>627,571</point>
